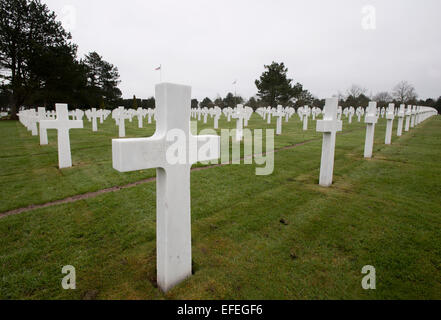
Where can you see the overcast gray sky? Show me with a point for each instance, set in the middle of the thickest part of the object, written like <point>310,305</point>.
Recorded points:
<point>327,45</point>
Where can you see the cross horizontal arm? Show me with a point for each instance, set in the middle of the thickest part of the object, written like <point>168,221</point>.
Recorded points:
<point>75,124</point>
<point>329,125</point>
<point>138,154</point>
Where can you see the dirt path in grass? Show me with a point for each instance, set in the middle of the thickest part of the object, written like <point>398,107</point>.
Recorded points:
<point>130,185</point>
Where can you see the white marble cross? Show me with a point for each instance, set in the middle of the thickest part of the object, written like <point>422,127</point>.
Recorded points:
<point>413,116</point>
<point>306,114</point>
<point>43,131</point>
<point>359,112</point>
<point>94,115</point>
<point>140,115</point>
<point>329,126</point>
<point>351,112</point>
<point>217,112</point>
<point>419,115</point>
<point>300,114</point>
<point>401,114</point>
<point>32,120</point>
<point>248,113</point>
<point>370,120</point>
<point>339,112</point>
<point>268,115</point>
<point>390,116</point>
<point>173,177</point>
<point>62,124</point>
<point>149,115</point>
<point>239,115</point>
<point>227,112</point>
<point>121,120</point>
<point>79,114</point>
<point>408,115</point>
<point>288,113</point>
<point>279,114</point>
<point>313,112</point>
<point>205,113</point>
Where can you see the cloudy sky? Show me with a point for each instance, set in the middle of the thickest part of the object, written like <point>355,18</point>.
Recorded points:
<point>327,45</point>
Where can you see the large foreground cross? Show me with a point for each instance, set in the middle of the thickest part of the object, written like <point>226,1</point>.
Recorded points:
<point>370,120</point>
<point>329,126</point>
<point>173,161</point>
<point>63,125</point>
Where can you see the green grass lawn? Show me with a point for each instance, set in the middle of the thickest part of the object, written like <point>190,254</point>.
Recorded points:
<point>384,212</point>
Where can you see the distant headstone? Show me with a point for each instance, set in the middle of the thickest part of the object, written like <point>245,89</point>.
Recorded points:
<point>306,114</point>
<point>121,116</point>
<point>390,123</point>
<point>268,115</point>
<point>33,119</point>
<point>140,115</point>
<point>239,115</point>
<point>413,116</point>
<point>279,114</point>
<point>43,131</point>
<point>62,124</point>
<point>408,115</point>
<point>351,112</point>
<point>94,115</point>
<point>370,120</point>
<point>401,114</point>
<point>217,114</point>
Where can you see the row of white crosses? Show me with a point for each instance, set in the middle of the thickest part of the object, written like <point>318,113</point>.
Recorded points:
<point>331,124</point>
<point>93,115</point>
<point>414,115</point>
<point>279,113</point>
<point>60,121</point>
<point>173,175</point>
<point>120,115</point>
<point>243,114</point>
<point>29,119</point>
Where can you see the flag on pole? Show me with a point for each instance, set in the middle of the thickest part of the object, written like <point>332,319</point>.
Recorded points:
<point>158,68</point>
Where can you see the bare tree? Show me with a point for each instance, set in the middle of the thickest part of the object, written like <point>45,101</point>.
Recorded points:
<point>356,91</point>
<point>383,97</point>
<point>404,92</point>
<point>340,96</point>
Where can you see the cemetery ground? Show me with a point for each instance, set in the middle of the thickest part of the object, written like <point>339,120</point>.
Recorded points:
<point>280,236</point>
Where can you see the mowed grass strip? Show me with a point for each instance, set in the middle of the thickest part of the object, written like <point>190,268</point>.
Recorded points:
<point>273,237</point>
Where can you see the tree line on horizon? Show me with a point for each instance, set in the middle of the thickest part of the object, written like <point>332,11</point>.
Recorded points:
<point>275,88</point>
